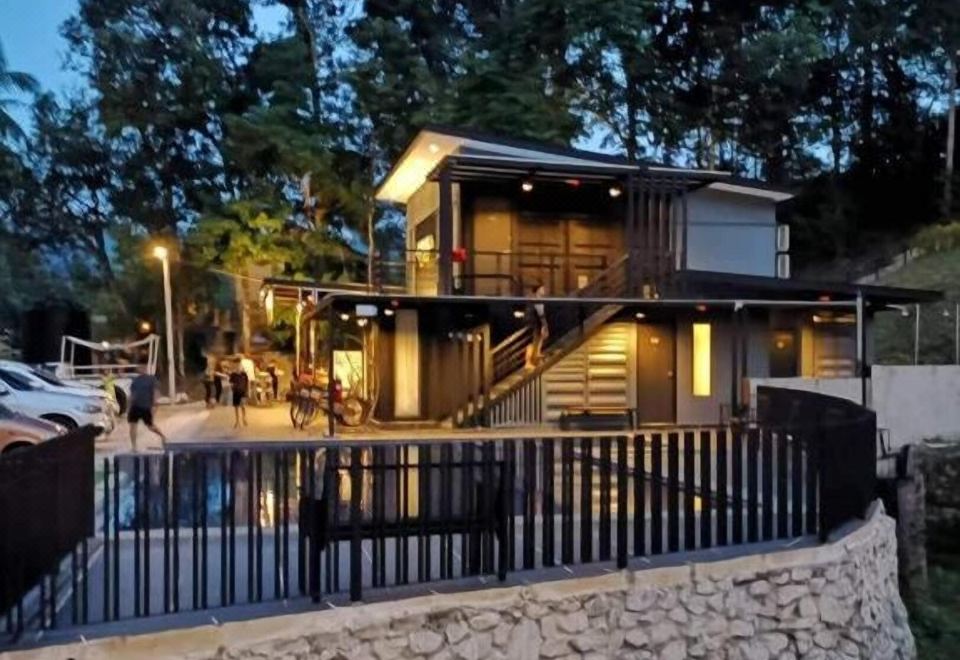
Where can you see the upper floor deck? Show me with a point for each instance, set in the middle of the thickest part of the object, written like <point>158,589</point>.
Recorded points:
<point>488,216</point>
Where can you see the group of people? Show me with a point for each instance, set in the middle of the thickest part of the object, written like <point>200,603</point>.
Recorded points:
<point>241,372</point>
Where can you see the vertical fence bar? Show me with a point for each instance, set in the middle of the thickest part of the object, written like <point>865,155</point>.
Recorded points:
<point>251,485</point>
<point>706,494</point>
<point>231,513</point>
<point>566,501</point>
<point>736,463</point>
<point>175,505</point>
<point>276,524</point>
<point>656,494</point>
<point>106,539</point>
<point>782,498</point>
<point>622,494</point>
<point>116,538</point>
<point>529,502</point>
<point>146,534</point>
<point>466,508</point>
<point>286,527</point>
<point>796,483</point>
<point>673,492</point>
<point>423,542</point>
<point>74,615</point>
<point>548,502</point>
<point>766,467</point>
<point>223,529</point>
<point>258,528</point>
<point>721,500</point>
<point>195,538</point>
<point>84,572</point>
<point>204,549</point>
<point>689,492</point>
<point>356,540</point>
<point>639,495</point>
<point>489,513</point>
<point>303,524</point>
<point>753,504</point>
<point>812,479</point>
<point>505,547</point>
<point>605,497</point>
<point>446,507</point>
<point>404,549</point>
<point>137,516</point>
<point>165,494</point>
<point>586,500</point>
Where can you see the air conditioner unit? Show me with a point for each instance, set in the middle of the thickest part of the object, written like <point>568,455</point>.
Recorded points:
<point>783,238</point>
<point>783,266</point>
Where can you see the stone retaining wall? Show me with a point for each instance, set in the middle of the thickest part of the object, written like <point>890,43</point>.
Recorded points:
<point>940,465</point>
<point>832,601</point>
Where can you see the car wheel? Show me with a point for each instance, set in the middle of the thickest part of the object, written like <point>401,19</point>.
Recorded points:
<point>62,420</point>
<point>121,398</point>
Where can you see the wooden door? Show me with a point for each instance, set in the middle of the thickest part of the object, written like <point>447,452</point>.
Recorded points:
<point>540,247</point>
<point>492,242</point>
<point>591,245</point>
<point>656,373</point>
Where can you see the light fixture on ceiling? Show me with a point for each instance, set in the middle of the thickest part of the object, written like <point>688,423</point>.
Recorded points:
<point>615,191</point>
<point>641,315</point>
<point>344,316</point>
<point>362,322</point>
<point>388,312</point>
<point>574,183</point>
<point>518,314</point>
<point>526,185</point>
<point>701,308</point>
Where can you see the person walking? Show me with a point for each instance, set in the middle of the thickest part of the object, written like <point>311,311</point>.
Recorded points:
<point>209,379</point>
<point>218,377</point>
<point>537,318</point>
<point>143,395</point>
<point>239,385</point>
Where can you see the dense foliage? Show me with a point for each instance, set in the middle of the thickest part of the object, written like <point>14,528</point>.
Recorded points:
<point>243,150</point>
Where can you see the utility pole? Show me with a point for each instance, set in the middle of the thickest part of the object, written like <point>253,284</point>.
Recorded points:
<point>951,132</point>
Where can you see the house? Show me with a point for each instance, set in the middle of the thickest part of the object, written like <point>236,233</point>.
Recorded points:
<point>664,289</point>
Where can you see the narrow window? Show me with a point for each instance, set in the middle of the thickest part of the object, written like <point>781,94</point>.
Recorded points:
<point>701,359</point>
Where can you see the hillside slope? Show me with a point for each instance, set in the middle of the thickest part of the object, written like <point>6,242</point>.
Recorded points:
<point>894,333</point>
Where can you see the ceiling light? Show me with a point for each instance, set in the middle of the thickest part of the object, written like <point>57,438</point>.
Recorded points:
<point>641,315</point>
<point>518,314</point>
<point>572,182</point>
<point>344,316</point>
<point>615,191</point>
<point>361,322</point>
<point>526,185</point>
<point>388,312</point>
<point>701,308</point>
<point>824,298</point>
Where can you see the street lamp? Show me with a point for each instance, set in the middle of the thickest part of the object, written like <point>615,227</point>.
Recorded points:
<point>161,253</point>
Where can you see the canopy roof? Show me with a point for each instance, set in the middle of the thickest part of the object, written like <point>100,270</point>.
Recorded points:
<point>434,144</point>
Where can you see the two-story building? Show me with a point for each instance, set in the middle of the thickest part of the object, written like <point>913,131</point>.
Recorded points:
<point>663,289</point>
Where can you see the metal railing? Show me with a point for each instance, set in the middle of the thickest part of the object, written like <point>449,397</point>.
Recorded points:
<point>204,527</point>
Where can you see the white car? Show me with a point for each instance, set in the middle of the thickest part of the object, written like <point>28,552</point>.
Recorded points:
<point>67,410</point>
<point>41,380</point>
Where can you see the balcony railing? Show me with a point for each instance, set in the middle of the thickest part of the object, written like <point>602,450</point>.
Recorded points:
<point>204,527</point>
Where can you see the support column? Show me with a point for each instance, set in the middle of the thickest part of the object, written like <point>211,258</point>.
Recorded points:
<point>445,234</point>
<point>861,348</point>
<point>331,422</point>
<point>631,236</point>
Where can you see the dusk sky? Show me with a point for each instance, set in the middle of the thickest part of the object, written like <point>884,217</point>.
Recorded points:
<point>30,35</point>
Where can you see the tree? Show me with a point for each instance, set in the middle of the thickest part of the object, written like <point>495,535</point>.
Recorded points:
<point>15,82</point>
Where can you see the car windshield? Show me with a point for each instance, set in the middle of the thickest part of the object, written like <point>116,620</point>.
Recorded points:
<point>15,380</point>
<point>48,378</point>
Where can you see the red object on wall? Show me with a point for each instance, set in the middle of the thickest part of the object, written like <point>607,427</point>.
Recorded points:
<point>459,255</point>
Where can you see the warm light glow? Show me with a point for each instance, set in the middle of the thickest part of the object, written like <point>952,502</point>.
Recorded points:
<point>344,316</point>
<point>572,182</point>
<point>144,326</point>
<point>824,298</point>
<point>615,191</point>
<point>641,315</point>
<point>388,312</point>
<point>527,185</point>
<point>518,314</point>
<point>160,252</point>
<point>434,148</point>
<point>348,367</point>
<point>701,359</point>
<point>701,308</point>
<point>362,322</point>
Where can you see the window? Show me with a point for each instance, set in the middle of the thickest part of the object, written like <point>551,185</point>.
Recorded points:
<point>47,378</point>
<point>701,359</point>
<point>16,381</point>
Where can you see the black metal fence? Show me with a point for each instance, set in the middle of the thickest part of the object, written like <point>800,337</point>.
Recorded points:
<point>46,516</point>
<point>205,527</point>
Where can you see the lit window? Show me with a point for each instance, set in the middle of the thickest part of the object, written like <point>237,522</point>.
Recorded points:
<point>701,359</point>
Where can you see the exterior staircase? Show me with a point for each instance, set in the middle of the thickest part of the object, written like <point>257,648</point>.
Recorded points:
<point>516,394</point>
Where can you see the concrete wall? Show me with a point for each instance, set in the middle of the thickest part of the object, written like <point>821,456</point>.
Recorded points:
<point>731,233</point>
<point>914,403</point>
<point>836,600</point>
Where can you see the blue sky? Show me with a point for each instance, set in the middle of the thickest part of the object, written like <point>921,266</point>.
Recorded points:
<point>30,34</point>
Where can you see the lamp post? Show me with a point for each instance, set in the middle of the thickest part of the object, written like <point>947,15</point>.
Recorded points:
<point>161,253</point>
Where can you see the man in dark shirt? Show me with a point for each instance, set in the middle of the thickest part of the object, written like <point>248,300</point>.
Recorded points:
<point>239,386</point>
<point>143,391</point>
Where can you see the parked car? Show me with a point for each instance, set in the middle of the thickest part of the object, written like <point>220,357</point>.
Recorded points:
<point>20,431</point>
<point>41,379</point>
<point>67,410</point>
